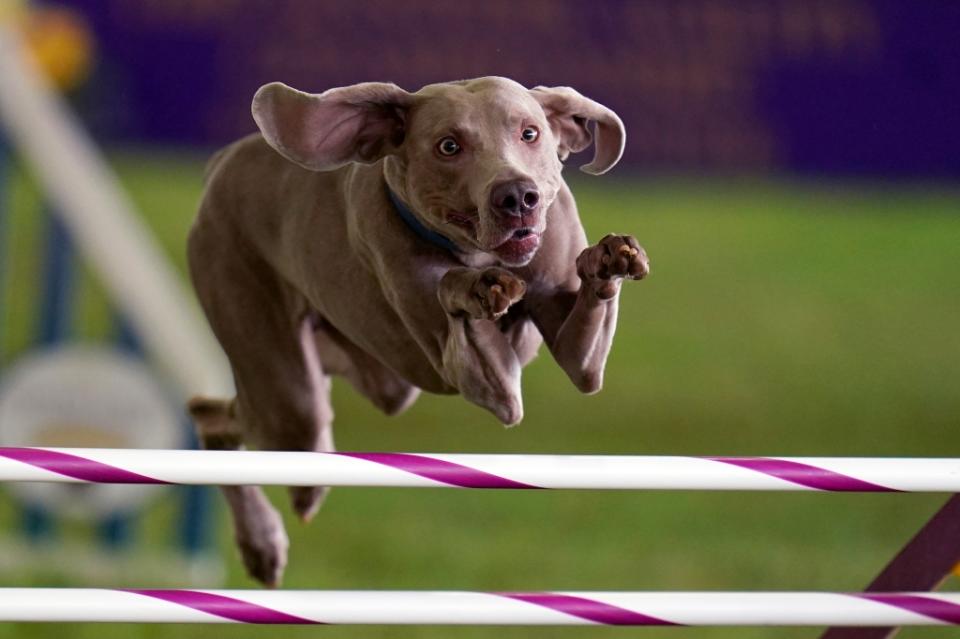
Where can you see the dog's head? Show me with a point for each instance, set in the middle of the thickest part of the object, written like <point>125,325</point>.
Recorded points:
<point>478,161</point>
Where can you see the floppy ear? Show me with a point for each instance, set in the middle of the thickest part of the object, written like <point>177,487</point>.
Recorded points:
<point>568,113</point>
<point>358,123</point>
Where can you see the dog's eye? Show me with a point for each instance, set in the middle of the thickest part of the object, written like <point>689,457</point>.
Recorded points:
<point>448,147</point>
<point>530,134</point>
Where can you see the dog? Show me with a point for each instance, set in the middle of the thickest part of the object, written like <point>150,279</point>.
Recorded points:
<point>405,242</point>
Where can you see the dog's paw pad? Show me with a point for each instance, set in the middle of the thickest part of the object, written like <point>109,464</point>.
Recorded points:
<point>614,258</point>
<point>495,291</point>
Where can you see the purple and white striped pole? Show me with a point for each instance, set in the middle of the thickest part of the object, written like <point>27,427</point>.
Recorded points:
<point>602,472</point>
<point>479,608</point>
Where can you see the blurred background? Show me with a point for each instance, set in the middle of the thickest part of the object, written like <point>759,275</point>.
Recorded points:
<point>792,168</point>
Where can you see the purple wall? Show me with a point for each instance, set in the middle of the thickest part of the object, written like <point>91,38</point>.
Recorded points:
<point>823,86</point>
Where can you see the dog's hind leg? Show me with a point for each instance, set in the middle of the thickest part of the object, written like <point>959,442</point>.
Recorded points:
<point>318,437</point>
<point>259,530</point>
<point>282,400</point>
<point>286,410</point>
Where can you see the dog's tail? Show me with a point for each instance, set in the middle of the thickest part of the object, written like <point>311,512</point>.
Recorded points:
<point>216,423</point>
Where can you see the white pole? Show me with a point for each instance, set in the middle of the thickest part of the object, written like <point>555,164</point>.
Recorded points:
<point>479,608</point>
<point>102,221</point>
<point>840,474</point>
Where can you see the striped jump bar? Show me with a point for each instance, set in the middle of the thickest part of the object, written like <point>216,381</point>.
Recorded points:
<point>415,470</point>
<point>483,608</point>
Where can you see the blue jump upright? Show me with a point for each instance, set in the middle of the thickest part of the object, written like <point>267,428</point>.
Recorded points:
<point>58,289</point>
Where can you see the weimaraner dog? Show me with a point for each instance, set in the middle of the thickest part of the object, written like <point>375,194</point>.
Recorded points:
<point>406,242</point>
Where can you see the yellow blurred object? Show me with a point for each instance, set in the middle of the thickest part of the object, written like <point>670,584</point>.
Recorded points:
<point>58,38</point>
<point>956,570</point>
<point>61,43</point>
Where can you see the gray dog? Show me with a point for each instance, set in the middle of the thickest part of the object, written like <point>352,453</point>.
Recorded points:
<point>404,241</point>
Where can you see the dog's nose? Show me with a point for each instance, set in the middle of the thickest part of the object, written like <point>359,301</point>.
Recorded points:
<point>514,198</point>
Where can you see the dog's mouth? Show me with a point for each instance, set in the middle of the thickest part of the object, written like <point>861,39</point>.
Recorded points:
<point>519,246</point>
<point>513,247</point>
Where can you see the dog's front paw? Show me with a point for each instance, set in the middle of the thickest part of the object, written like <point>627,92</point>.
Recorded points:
<point>613,259</point>
<point>493,293</point>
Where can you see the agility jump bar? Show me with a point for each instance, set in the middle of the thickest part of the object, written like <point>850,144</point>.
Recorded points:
<point>479,608</point>
<point>416,470</point>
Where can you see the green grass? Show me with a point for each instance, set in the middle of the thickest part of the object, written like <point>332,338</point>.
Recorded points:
<point>781,317</point>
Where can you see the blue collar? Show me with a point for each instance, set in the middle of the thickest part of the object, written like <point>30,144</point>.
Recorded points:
<point>417,226</point>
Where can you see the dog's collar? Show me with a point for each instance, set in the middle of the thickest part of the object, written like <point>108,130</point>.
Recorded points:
<point>417,226</point>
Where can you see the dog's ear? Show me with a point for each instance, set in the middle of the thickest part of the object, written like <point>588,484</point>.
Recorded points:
<point>358,123</point>
<point>569,114</point>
